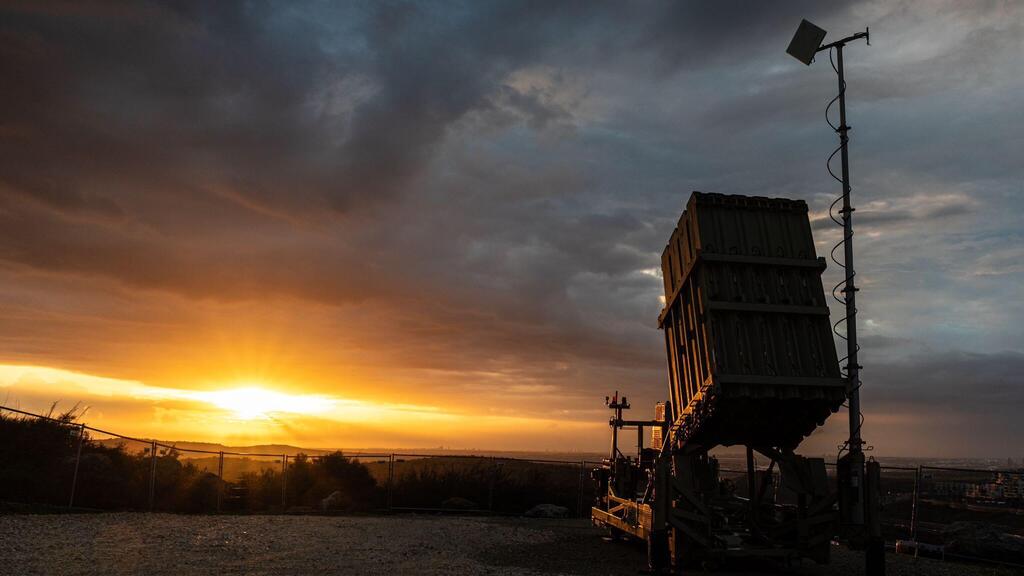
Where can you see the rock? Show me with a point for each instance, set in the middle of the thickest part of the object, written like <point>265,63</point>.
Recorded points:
<point>457,503</point>
<point>336,501</point>
<point>983,540</point>
<point>547,511</point>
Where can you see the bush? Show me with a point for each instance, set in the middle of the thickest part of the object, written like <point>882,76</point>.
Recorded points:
<point>310,480</point>
<point>37,463</point>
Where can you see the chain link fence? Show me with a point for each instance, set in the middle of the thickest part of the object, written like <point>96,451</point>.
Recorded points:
<point>58,462</point>
<point>939,511</point>
<point>68,464</point>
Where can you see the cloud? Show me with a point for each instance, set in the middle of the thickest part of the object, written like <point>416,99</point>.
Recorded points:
<point>465,201</point>
<point>1002,261</point>
<point>982,383</point>
<point>249,414</point>
<point>893,214</point>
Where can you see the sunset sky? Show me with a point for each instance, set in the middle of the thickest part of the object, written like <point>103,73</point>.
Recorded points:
<point>404,224</point>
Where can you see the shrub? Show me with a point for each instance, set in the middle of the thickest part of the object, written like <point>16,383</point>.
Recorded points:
<point>38,462</point>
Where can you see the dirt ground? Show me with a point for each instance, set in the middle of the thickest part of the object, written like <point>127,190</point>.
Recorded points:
<point>166,544</point>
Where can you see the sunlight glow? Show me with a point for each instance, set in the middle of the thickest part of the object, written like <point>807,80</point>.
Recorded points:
<point>251,403</point>
<point>248,411</point>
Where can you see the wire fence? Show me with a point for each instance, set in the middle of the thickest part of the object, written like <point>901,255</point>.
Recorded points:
<point>75,466</point>
<point>100,469</point>
<point>943,512</point>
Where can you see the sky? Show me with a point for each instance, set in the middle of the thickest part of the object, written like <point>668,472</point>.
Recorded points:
<point>402,224</point>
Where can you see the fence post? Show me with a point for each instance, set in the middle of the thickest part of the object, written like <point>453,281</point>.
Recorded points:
<point>391,478</point>
<point>152,474</point>
<point>579,494</point>
<point>78,458</point>
<point>490,485</point>
<point>915,504</point>
<point>220,478</point>
<point>284,480</point>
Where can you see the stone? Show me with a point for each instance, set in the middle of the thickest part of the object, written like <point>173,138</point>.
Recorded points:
<point>547,511</point>
<point>335,501</point>
<point>457,503</point>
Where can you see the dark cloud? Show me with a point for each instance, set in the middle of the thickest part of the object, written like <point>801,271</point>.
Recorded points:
<point>981,383</point>
<point>694,34</point>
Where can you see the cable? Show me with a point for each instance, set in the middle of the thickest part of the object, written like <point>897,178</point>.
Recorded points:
<point>841,286</point>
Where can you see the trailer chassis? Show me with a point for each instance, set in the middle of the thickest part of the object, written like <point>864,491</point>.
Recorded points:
<point>675,500</point>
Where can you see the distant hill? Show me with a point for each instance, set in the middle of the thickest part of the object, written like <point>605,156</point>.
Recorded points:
<point>278,449</point>
<point>728,458</point>
<point>275,449</point>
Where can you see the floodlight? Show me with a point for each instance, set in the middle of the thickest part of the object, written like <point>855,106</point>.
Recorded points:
<point>805,42</point>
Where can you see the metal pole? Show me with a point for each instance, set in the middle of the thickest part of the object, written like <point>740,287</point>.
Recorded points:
<point>284,480</point>
<point>78,459</point>
<point>874,552</point>
<point>579,494</point>
<point>751,481</point>
<point>391,479</point>
<point>615,434</point>
<point>220,479</point>
<point>859,513</point>
<point>914,512</point>
<point>490,487</point>
<point>850,296</point>
<point>152,474</point>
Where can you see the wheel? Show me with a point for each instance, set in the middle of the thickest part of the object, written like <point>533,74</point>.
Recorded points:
<point>612,534</point>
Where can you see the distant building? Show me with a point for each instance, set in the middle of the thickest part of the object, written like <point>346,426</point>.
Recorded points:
<point>1005,487</point>
<point>951,489</point>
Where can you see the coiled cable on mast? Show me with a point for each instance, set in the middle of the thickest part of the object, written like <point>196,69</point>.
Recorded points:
<point>841,286</point>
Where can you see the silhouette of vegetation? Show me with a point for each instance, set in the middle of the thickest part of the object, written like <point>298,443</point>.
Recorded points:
<point>499,485</point>
<point>34,453</point>
<point>38,465</point>
<point>309,482</point>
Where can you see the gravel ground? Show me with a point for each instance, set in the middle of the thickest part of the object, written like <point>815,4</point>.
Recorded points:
<point>159,544</point>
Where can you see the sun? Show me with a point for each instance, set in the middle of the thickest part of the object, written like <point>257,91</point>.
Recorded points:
<point>258,403</point>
